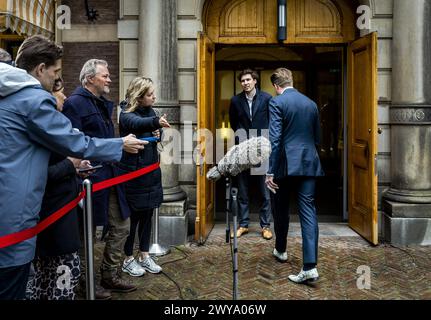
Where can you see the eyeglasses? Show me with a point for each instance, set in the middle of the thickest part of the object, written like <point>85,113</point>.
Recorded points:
<point>58,85</point>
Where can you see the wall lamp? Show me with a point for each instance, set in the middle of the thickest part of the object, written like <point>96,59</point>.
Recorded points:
<point>91,12</point>
<point>281,20</point>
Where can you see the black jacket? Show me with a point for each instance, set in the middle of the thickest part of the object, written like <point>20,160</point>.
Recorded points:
<point>146,191</point>
<point>239,112</point>
<point>62,237</point>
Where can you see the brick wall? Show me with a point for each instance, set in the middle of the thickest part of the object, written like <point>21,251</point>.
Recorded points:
<point>77,53</point>
<point>108,11</point>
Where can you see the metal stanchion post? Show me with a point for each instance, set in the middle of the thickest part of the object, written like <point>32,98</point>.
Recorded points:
<point>234,193</point>
<point>88,239</point>
<point>156,249</point>
<point>228,185</point>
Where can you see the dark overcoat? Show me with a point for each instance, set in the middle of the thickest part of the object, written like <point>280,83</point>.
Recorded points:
<point>145,192</point>
<point>62,237</point>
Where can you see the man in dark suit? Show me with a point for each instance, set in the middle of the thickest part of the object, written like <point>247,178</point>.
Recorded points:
<point>249,110</point>
<point>294,164</point>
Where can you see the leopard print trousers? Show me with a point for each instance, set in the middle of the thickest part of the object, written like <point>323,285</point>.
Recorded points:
<point>55,277</point>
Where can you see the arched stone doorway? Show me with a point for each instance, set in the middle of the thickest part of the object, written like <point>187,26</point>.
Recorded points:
<point>236,30</point>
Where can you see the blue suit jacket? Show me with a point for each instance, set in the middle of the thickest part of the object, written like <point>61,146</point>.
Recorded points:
<point>294,132</point>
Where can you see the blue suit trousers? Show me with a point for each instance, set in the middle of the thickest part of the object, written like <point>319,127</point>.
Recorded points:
<point>304,189</point>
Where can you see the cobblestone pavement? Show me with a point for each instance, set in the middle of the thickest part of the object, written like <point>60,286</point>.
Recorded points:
<point>205,272</point>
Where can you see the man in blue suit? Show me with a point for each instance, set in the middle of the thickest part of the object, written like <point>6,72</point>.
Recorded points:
<point>248,114</point>
<point>294,164</point>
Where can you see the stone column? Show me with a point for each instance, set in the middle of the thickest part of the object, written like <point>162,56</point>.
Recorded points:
<point>158,60</point>
<point>407,204</point>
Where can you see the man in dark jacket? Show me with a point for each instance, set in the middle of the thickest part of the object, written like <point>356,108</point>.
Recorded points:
<point>91,113</point>
<point>249,110</point>
<point>294,164</point>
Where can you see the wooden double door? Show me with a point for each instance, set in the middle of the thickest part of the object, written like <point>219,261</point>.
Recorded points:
<point>361,129</point>
<point>309,22</point>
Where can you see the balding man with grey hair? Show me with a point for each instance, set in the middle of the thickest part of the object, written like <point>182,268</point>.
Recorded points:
<point>5,57</point>
<point>90,112</point>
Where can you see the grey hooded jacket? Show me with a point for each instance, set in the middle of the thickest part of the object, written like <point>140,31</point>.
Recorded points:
<point>30,128</point>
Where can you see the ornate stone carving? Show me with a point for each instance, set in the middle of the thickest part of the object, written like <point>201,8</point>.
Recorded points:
<point>173,113</point>
<point>410,114</point>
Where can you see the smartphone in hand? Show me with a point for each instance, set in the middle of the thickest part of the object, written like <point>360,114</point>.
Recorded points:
<point>83,170</point>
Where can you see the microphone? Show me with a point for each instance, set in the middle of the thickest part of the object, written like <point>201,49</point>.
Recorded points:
<point>246,155</point>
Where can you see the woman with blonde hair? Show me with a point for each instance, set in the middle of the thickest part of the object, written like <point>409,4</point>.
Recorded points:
<point>145,193</point>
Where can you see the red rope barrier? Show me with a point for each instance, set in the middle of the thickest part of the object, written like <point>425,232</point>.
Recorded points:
<point>17,237</point>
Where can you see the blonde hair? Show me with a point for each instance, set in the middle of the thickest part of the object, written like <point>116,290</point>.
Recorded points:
<point>138,87</point>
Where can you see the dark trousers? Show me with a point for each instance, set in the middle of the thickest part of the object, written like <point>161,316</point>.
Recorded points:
<point>243,180</point>
<point>142,221</point>
<point>304,188</point>
<point>13,282</point>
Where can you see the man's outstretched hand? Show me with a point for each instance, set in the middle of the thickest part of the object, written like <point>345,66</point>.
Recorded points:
<point>133,145</point>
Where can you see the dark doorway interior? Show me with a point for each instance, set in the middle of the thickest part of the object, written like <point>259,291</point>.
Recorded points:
<point>318,73</point>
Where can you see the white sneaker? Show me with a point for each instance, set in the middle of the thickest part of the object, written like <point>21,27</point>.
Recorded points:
<point>281,256</point>
<point>149,265</point>
<point>133,268</point>
<point>305,276</point>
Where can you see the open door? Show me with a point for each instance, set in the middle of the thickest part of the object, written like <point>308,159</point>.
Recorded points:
<point>206,122</point>
<point>362,141</point>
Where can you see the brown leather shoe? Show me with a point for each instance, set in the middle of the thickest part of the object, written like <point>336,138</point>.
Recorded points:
<point>266,234</point>
<point>113,282</point>
<point>101,293</point>
<point>241,231</point>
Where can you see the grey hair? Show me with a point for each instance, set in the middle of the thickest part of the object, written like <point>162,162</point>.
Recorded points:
<point>5,56</point>
<point>89,69</point>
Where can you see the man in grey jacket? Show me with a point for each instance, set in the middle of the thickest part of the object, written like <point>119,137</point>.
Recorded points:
<point>30,128</point>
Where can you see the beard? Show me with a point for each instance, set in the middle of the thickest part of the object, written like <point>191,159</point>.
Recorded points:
<point>106,90</point>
